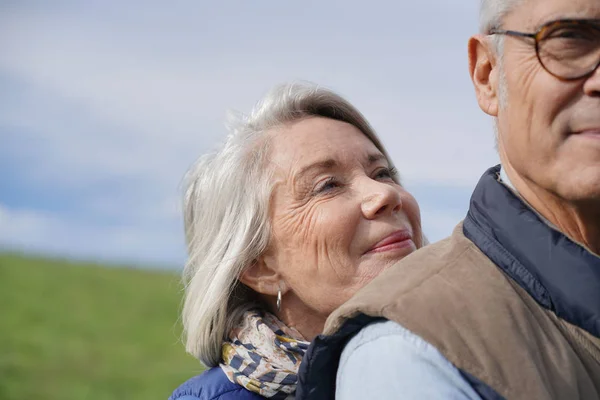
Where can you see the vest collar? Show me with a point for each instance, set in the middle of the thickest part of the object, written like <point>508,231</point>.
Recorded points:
<point>503,178</point>
<point>558,273</point>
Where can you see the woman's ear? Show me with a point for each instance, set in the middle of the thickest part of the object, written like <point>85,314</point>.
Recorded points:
<point>262,278</point>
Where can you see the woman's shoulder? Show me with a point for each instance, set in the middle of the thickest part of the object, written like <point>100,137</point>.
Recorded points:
<point>212,384</point>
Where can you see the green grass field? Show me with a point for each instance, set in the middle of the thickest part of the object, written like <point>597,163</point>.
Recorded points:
<point>72,331</point>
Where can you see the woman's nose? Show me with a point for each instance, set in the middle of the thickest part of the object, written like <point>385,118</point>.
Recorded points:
<point>381,199</point>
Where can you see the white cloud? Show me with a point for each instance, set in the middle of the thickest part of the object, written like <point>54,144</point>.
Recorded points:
<point>34,231</point>
<point>438,225</point>
<point>20,228</point>
<point>131,94</point>
<point>169,106</point>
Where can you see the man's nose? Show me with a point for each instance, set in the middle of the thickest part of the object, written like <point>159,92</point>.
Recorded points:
<point>591,86</point>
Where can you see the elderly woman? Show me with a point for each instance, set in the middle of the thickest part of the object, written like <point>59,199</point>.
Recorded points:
<point>300,209</point>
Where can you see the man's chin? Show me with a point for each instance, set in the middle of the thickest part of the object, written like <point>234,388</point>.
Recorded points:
<point>582,188</point>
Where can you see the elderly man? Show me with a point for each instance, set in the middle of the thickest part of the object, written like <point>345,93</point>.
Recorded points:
<point>509,305</point>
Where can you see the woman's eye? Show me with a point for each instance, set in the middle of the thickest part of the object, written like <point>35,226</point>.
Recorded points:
<point>327,186</point>
<point>384,173</point>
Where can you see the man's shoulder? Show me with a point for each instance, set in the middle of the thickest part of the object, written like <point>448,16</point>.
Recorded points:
<point>422,266</point>
<point>384,329</point>
<point>389,358</point>
<point>212,384</point>
<point>423,280</point>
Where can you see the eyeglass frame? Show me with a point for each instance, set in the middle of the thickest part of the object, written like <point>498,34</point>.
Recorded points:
<point>537,36</point>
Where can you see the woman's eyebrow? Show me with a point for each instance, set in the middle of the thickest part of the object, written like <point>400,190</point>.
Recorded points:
<point>318,165</point>
<point>330,163</point>
<point>375,157</point>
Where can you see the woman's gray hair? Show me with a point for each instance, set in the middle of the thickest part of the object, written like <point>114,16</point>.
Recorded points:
<point>226,211</point>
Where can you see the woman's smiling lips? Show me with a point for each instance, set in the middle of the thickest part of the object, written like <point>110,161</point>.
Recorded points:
<point>397,240</point>
<point>590,133</point>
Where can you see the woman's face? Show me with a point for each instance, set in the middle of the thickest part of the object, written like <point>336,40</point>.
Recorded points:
<point>338,218</point>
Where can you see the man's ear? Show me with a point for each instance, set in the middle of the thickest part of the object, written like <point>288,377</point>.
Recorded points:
<point>484,70</point>
<point>262,278</point>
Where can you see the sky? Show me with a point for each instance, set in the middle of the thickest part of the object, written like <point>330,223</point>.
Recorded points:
<point>105,104</point>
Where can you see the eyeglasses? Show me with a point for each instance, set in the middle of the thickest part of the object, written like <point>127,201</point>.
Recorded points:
<point>568,49</point>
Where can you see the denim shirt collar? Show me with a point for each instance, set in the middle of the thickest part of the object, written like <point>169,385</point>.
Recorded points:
<point>558,273</point>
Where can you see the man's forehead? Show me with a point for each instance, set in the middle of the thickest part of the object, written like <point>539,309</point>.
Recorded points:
<point>532,14</point>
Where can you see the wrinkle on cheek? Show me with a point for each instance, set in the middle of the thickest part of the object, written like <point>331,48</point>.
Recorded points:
<point>332,262</point>
<point>296,228</point>
<point>311,216</point>
<point>523,98</point>
<point>312,243</point>
<point>529,69</point>
<point>315,240</point>
<point>299,220</point>
<point>334,257</point>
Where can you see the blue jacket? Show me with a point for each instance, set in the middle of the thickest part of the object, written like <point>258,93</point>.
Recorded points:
<point>212,384</point>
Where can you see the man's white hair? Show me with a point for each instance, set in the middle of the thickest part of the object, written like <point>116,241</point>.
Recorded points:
<point>491,16</point>
<point>226,211</point>
<point>492,13</point>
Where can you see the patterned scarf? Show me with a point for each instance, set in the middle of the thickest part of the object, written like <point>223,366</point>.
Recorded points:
<point>263,355</point>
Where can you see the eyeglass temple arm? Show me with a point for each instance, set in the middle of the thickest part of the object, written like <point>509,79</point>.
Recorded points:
<point>512,33</point>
